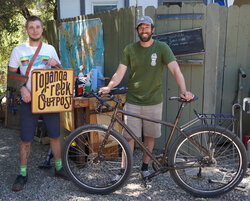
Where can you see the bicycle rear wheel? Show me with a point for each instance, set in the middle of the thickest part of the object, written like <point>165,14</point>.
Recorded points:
<point>93,171</point>
<point>212,170</point>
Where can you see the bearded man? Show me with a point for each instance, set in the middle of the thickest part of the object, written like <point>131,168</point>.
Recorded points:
<point>146,59</point>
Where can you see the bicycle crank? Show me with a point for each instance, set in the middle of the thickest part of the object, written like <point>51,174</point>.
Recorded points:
<point>156,167</point>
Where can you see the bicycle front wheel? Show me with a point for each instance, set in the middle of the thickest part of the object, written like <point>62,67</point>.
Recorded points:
<point>209,162</point>
<point>90,168</point>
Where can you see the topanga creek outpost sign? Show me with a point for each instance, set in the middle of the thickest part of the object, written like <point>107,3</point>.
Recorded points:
<point>52,90</point>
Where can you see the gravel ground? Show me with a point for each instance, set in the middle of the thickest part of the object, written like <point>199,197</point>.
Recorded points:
<point>43,186</point>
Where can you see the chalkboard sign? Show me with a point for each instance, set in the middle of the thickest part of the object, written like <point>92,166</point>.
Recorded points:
<point>183,42</point>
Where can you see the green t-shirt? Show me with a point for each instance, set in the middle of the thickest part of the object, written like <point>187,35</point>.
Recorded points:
<point>146,68</point>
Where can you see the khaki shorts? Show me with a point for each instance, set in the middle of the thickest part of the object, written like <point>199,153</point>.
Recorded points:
<point>137,125</point>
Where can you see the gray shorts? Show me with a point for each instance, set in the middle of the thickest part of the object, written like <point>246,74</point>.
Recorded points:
<point>149,128</point>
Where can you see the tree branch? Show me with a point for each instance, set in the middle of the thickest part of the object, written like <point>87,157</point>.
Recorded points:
<point>25,12</point>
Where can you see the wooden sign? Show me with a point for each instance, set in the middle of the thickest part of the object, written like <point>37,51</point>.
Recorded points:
<point>52,90</point>
<point>184,42</point>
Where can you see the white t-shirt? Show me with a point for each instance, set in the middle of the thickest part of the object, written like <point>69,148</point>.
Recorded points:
<point>22,54</point>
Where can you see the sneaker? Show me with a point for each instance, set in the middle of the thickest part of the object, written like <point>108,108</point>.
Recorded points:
<point>62,174</point>
<point>145,174</point>
<point>19,183</point>
<point>144,177</point>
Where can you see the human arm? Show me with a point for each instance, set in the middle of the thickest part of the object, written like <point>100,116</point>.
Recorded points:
<point>25,93</point>
<point>12,69</point>
<point>175,70</point>
<point>115,80</point>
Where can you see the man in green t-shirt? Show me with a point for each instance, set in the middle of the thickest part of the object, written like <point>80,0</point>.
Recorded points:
<point>146,60</point>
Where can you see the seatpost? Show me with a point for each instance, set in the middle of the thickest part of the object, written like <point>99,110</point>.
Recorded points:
<point>173,129</point>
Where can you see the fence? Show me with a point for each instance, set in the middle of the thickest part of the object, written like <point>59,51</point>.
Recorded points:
<point>236,55</point>
<point>226,35</point>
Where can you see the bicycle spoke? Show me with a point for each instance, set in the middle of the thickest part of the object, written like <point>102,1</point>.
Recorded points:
<point>89,167</point>
<point>202,172</point>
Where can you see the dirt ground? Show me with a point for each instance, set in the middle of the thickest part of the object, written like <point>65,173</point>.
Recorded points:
<point>43,186</point>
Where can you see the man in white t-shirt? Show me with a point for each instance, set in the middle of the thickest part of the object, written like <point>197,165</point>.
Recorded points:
<point>20,58</point>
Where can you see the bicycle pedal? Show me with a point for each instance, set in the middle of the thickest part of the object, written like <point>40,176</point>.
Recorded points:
<point>44,166</point>
<point>147,183</point>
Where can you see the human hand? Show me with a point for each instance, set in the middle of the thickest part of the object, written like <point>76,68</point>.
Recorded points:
<point>104,90</point>
<point>187,95</point>
<point>53,62</point>
<point>26,95</point>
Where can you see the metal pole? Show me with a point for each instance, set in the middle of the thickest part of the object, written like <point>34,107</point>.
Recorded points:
<point>234,107</point>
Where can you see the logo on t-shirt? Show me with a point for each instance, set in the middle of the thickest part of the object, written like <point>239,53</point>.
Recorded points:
<point>40,60</point>
<point>153,59</point>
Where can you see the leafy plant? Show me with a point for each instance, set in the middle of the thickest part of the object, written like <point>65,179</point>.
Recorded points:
<point>13,14</point>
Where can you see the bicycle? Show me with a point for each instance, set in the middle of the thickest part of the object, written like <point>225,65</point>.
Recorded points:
<point>207,160</point>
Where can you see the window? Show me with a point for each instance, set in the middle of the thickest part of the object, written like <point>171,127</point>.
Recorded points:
<point>172,3</point>
<point>101,8</point>
<point>180,2</point>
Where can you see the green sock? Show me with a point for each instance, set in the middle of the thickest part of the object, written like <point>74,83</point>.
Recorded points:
<point>58,164</point>
<point>23,170</point>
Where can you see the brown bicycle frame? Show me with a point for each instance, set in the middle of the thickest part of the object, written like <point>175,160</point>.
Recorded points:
<point>116,118</point>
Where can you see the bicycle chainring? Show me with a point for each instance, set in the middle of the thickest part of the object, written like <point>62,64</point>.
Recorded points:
<point>155,166</point>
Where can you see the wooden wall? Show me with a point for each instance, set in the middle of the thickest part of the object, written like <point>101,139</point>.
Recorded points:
<point>237,55</point>
<point>226,34</point>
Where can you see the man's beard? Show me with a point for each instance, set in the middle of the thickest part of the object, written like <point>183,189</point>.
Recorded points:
<point>34,39</point>
<point>143,39</point>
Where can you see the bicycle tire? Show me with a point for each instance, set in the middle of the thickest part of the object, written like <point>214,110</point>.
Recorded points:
<point>213,177</point>
<point>92,174</point>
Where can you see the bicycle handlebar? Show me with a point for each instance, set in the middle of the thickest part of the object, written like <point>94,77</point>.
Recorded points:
<point>111,97</point>
<point>103,101</point>
<point>182,99</point>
